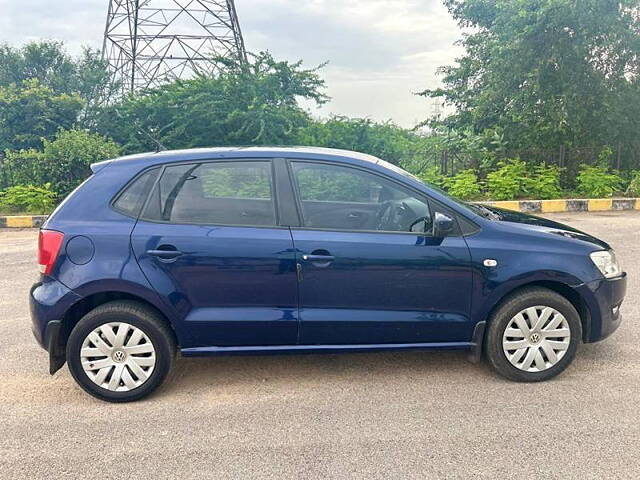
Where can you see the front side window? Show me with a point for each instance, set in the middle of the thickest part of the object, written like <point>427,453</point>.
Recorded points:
<point>344,198</point>
<point>225,193</point>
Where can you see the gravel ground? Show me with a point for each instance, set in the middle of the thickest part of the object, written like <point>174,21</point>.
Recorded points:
<point>385,415</point>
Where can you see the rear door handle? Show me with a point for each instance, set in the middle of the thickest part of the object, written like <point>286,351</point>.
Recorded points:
<point>318,258</point>
<point>164,254</point>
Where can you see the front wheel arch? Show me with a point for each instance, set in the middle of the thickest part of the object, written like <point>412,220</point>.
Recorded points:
<point>558,287</point>
<point>502,319</point>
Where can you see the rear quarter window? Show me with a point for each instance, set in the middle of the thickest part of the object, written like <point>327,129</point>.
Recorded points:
<point>131,199</point>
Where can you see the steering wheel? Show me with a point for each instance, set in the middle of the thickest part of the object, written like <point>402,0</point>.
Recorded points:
<point>426,219</point>
<point>384,215</point>
<point>407,211</point>
<point>393,215</point>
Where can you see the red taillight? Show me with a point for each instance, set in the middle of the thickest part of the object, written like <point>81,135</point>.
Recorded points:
<point>49,243</point>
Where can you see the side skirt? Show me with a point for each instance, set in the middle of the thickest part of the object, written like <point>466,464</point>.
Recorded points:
<point>301,349</point>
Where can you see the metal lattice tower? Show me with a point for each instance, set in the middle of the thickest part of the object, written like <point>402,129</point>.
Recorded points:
<point>147,42</point>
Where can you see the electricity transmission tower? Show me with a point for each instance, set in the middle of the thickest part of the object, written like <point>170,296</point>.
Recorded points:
<point>147,42</point>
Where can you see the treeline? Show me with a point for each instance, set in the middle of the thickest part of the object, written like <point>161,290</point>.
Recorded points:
<point>544,103</point>
<point>550,82</point>
<point>60,114</point>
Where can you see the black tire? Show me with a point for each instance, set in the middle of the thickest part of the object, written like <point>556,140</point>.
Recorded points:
<point>501,318</point>
<point>138,315</point>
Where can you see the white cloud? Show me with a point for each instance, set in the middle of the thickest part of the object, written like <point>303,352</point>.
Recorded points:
<point>380,51</point>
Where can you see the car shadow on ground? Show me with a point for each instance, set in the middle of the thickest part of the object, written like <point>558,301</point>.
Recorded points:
<point>190,373</point>
<point>286,372</point>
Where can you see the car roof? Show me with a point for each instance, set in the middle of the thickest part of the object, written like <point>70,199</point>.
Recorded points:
<point>231,153</point>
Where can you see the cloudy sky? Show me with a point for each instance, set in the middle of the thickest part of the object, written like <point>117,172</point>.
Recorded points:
<point>379,51</point>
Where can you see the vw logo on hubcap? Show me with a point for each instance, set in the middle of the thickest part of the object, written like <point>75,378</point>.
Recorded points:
<point>119,356</point>
<point>535,338</point>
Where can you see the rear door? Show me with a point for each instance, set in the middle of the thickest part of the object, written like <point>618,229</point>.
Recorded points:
<point>209,242</point>
<point>366,278</point>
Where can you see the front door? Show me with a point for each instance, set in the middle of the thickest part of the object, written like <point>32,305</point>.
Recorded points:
<point>209,243</point>
<point>365,277</point>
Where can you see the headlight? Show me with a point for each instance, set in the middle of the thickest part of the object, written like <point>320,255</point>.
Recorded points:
<point>606,262</point>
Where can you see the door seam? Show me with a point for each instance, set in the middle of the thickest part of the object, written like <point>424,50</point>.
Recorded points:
<point>295,260</point>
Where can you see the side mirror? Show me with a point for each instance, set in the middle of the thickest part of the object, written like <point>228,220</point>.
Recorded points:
<point>442,225</point>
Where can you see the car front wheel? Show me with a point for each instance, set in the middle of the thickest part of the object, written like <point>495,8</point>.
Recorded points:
<point>120,351</point>
<point>533,335</point>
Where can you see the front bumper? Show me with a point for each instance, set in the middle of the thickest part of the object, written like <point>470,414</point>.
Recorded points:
<point>603,298</point>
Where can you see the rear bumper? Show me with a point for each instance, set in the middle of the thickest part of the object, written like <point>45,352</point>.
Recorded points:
<point>603,298</point>
<point>49,300</point>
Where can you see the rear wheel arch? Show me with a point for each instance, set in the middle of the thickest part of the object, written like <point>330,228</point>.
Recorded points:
<point>90,302</point>
<point>121,350</point>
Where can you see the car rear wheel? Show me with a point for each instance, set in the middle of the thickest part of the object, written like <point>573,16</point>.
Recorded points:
<point>120,351</point>
<point>533,335</point>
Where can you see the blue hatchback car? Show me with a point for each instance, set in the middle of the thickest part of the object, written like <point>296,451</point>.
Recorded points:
<point>273,250</point>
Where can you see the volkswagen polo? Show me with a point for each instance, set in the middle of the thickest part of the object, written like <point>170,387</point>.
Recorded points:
<point>274,250</point>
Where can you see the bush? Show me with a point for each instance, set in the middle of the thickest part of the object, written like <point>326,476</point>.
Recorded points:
<point>545,182</point>
<point>509,181</point>
<point>596,181</point>
<point>633,189</point>
<point>432,176</point>
<point>464,185</point>
<point>22,168</point>
<point>27,199</point>
<point>64,162</point>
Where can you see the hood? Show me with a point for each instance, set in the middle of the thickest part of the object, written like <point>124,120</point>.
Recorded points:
<point>535,223</point>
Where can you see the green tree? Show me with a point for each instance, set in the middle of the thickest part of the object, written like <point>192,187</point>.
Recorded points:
<point>246,104</point>
<point>31,112</point>
<point>44,61</point>
<point>67,158</point>
<point>85,76</point>
<point>384,140</point>
<point>547,72</point>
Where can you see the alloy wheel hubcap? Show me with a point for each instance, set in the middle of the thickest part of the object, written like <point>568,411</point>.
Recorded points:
<point>118,356</point>
<point>536,338</point>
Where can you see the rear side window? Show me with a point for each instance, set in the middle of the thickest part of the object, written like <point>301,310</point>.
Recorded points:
<point>131,199</point>
<point>224,193</point>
